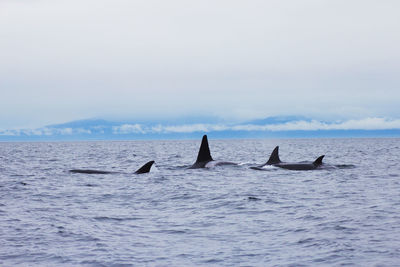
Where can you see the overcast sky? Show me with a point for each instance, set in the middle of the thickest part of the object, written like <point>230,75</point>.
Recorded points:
<point>68,60</point>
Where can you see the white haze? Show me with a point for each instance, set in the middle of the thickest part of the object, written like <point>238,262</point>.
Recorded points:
<point>67,60</point>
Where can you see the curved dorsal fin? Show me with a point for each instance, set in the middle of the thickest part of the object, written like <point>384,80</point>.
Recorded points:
<point>145,168</point>
<point>204,151</point>
<point>318,161</point>
<point>274,158</point>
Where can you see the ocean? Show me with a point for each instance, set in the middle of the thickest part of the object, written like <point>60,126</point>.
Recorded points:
<point>347,214</point>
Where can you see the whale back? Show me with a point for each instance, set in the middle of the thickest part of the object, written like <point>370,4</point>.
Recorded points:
<point>89,171</point>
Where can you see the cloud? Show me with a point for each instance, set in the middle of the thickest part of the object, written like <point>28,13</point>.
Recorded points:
<point>45,131</point>
<point>301,125</point>
<point>373,123</point>
<point>189,128</point>
<point>9,133</point>
<point>363,124</point>
<point>128,129</point>
<point>161,59</point>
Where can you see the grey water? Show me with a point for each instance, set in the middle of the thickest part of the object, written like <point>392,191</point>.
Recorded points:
<point>347,214</point>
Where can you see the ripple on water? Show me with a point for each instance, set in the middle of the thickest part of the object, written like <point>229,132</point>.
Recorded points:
<point>346,214</point>
<point>116,219</point>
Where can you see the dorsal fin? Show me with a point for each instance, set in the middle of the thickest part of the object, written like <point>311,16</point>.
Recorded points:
<point>274,158</point>
<point>145,168</point>
<point>204,151</point>
<point>318,161</point>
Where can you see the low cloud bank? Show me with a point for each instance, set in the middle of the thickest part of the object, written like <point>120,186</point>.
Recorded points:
<point>313,125</point>
<point>300,125</point>
<point>45,132</point>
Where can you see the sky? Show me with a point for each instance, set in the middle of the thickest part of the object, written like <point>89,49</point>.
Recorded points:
<point>238,60</point>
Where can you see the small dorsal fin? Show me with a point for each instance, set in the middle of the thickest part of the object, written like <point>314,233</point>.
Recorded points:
<point>204,151</point>
<point>145,168</point>
<point>274,158</point>
<point>318,161</point>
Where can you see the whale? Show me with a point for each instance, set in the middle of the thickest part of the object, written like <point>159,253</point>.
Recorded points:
<point>274,160</point>
<point>204,159</point>
<point>144,169</point>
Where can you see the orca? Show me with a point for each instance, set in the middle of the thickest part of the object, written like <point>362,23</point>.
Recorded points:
<point>204,159</point>
<point>274,160</point>
<point>144,169</point>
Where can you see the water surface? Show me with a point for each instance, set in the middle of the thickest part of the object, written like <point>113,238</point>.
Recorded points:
<point>224,216</point>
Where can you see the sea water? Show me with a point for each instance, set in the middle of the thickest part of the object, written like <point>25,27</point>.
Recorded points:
<point>347,214</point>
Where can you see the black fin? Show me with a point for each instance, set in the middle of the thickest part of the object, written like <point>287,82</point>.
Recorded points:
<point>274,158</point>
<point>318,161</point>
<point>145,168</point>
<point>204,151</point>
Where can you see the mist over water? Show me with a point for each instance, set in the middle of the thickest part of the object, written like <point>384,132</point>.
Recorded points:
<point>224,216</point>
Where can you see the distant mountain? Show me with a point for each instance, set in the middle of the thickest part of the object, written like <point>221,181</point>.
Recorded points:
<point>93,123</point>
<point>278,120</point>
<point>195,127</point>
<point>89,123</point>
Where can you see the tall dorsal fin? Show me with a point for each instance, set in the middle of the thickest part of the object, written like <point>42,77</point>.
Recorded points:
<point>274,158</point>
<point>204,151</point>
<point>145,168</point>
<point>318,161</point>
